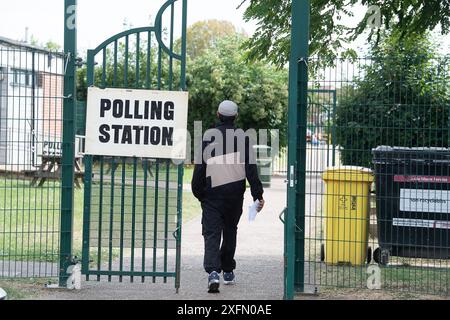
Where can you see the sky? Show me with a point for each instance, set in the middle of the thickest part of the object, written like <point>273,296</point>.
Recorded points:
<point>100,19</point>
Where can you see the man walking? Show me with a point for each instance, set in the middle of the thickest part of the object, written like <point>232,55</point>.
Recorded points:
<point>219,183</point>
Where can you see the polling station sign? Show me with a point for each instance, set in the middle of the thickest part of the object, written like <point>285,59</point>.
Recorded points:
<point>136,123</point>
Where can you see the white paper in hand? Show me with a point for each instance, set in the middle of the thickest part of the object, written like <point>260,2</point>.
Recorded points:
<point>253,211</point>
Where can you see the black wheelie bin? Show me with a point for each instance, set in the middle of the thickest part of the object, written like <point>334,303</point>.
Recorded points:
<point>413,202</point>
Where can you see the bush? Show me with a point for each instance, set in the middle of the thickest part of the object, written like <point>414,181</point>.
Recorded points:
<point>402,99</point>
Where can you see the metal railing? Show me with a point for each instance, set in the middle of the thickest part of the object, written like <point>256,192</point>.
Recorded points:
<point>392,234</point>
<point>30,116</point>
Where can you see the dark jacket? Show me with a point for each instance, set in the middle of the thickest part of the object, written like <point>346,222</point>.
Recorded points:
<point>214,179</point>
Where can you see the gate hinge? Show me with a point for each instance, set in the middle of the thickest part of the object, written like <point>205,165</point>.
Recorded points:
<point>79,62</point>
<point>304,60</point>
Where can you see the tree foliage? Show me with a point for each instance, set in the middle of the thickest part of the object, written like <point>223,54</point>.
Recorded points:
<point>217,71</point>
<point>203,35</point>
<point>222,73</point>
<point>401,99</point>
<point>329,32</point>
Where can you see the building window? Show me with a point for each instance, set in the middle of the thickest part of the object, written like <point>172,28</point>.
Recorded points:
<point>22,78</point>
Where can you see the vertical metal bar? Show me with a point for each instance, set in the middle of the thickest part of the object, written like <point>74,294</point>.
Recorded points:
<point>68,145</point>
<point>144,219</point>
<point>22,96</point>
<point>333,135</point>
<point>302,87</point>
<point>159,67</point>
<point>149,61</point>
<point>125,71</point>
<point>33,111</point>
<point>104,68</point>
<point>298,91</point>
<point>111,217</point>
<point>115,63</point>
<point>166,216</point>
<point>155,218</point>
<point>122,217</point>
<point>33,147</point>
<point>86,215</point>
<point>171,46</point>
<point>5,123</point>
<point>179,228</point>
<point>183,46</point>
<point>10,209</point>
<point>138,51</point>
<point>289,232</point>
<point>87,182</point>
<point>100,219</point>
<point>166,209</point>
<point>328,134</point>
<point>181,167</point>
<point>133,216</point>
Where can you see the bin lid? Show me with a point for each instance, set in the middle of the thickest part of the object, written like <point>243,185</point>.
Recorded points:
<point>348,173</point>
<point>387,154</point>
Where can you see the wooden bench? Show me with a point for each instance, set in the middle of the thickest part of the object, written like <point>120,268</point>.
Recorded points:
<point>50,169</point>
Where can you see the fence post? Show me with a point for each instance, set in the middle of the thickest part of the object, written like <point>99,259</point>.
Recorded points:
<point>298,102</point>
<point>302,103</point>
<point>68,145</point>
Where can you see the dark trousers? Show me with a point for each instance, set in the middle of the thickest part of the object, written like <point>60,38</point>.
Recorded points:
<point>220,223</point>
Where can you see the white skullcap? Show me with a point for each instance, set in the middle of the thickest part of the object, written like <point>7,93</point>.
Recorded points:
<point>228,108</point>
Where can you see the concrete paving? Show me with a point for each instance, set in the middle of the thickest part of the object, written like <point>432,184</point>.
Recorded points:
<point>259,258</point>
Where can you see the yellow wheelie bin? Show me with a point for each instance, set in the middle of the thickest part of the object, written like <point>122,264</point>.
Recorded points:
<point>347,215</point>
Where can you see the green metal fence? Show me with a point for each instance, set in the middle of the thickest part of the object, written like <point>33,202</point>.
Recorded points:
<point>395,235</point>
<point>31,82</point>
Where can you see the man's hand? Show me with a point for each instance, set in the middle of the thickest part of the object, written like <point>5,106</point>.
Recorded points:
<point>261,205</point>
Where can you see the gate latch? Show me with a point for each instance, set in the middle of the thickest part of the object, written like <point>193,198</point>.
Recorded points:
<point>292,178</point>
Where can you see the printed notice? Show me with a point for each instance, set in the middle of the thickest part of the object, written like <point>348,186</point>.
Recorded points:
<point>416,223</point>
<point>137,123</point>
<point>419,200</point>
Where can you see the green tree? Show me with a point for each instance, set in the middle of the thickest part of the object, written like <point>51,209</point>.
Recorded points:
<point>218,72</point>
<point>402,99</point>
<point>329,33</point>
<point>49,45</point>
<point>223,73</point>
<point>203,35</point>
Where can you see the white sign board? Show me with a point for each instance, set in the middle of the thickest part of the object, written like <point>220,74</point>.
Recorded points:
<point>419,223</point>
<point>418,200</point>
<point>137,123</point>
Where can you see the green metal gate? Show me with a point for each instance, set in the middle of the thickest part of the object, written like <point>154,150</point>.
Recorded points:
<point>132,206</point>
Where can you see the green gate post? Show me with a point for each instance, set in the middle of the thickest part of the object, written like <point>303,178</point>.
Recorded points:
<point>68,144</point>
<point>181,167</point>
<point>298,102</point>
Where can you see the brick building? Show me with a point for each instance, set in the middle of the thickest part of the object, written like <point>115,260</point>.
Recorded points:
<point>31,99</point>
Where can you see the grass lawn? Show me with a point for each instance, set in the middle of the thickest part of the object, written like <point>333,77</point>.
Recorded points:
<point>23,289</point>
<point>29,219</point>
<point>425,280</point>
